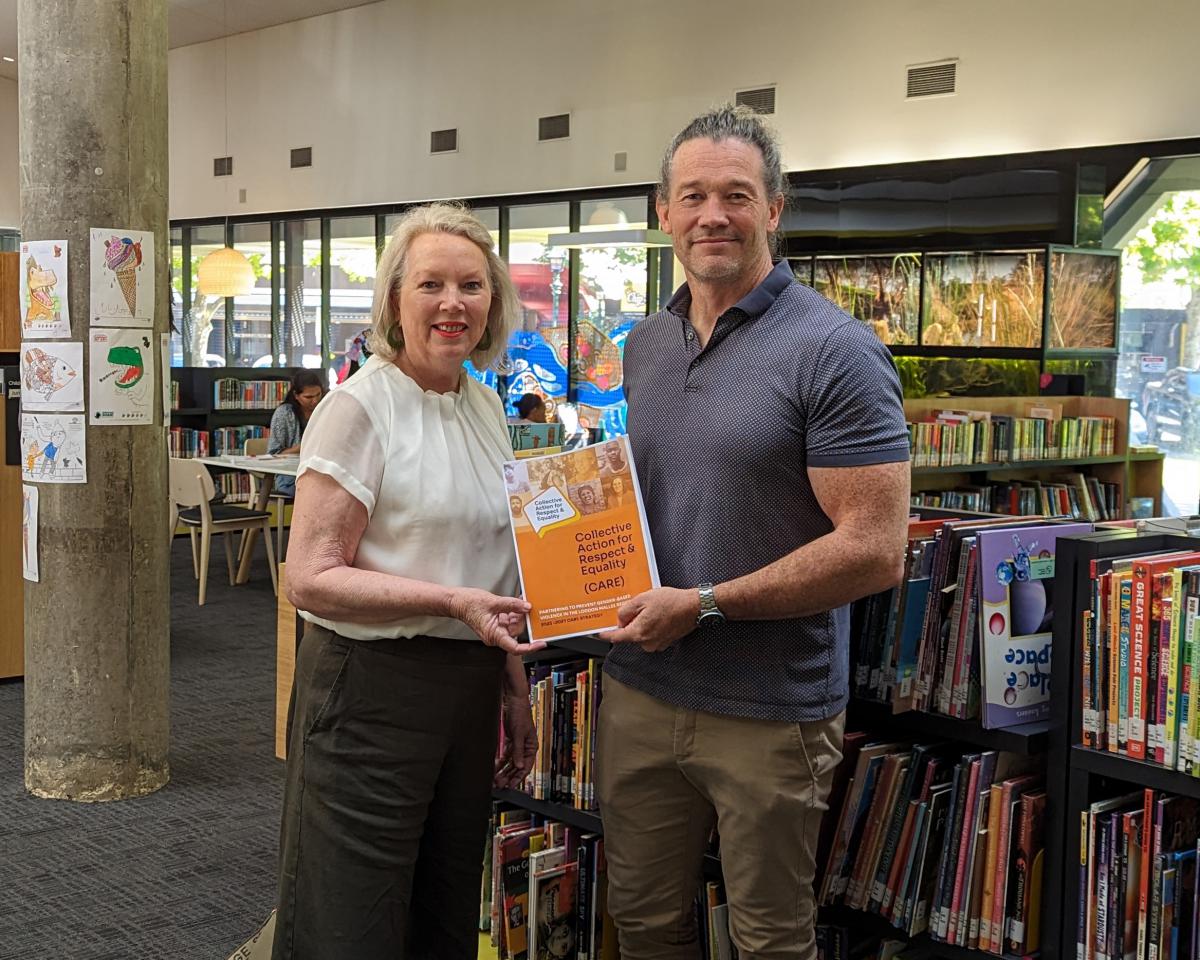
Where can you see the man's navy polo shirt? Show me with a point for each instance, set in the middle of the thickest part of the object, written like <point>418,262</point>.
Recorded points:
<point>722,439</point>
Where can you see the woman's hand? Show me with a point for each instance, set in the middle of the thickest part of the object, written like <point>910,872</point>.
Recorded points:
<point>520,742</point>
<point>497,621</point>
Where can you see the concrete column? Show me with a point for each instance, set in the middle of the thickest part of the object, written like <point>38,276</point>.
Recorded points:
<point>93,112</point>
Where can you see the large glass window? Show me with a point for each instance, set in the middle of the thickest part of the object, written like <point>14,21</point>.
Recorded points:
<point>300,344</point>
<point>1159,364</point>
<point>250,329</point>
<point>204,323</point>
<point>539,347</point>
<point>612,299</point>
<point>351,285</point>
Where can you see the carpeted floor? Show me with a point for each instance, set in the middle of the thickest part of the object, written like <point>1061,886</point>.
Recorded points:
<point>189,872</point>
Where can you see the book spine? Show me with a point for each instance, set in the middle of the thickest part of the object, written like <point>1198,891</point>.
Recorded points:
<point>1103,855</point>
<point>1123,654</point>
<point>1139,627</point>
<point>1148,807</point>
<point>1171,742</point>
<point>1193,629</point>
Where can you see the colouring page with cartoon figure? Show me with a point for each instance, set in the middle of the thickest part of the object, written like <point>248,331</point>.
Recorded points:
<point>43,290</point>
<point>51,377</point>
<point>53,448</point>
<point>121,390</point>
<point>29,532</point>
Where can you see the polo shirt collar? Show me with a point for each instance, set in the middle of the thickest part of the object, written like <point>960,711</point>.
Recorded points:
<point>754,304</point>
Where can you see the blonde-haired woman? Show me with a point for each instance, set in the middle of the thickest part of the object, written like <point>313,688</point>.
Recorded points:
<point>402,564</point>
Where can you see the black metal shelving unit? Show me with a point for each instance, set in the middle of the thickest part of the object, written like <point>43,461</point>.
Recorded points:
<point>1083,775</point>
<point>1028,738</point>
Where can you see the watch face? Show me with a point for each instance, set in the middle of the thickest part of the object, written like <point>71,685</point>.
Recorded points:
<point>710,618</point>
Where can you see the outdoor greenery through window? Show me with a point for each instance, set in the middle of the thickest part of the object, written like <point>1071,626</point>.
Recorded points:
<point>1159,368</point>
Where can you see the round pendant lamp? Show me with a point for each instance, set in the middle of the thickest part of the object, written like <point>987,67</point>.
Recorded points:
<point>225,273</point>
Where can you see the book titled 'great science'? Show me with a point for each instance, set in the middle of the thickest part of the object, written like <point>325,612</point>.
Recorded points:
<point>583,546</point>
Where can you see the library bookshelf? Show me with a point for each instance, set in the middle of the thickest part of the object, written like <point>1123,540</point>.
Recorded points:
<point>1089,775</point>
<point>1029,740</point>
<point>1135,474</point>
<point>197,413</point>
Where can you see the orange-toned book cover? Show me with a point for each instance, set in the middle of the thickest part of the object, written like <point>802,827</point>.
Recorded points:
<point>583,546</point>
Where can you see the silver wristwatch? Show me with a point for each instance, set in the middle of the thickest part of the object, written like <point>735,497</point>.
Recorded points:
<point>710,613</point>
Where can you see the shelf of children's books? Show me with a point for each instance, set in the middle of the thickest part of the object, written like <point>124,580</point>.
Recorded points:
<point>847,917</point>
<point>1136,772</point>
<point>1006,466</point>
<point>1028,738</point>
<point>588,820</point>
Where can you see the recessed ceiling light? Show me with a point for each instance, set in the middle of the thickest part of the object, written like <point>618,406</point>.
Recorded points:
<point>9,60</point>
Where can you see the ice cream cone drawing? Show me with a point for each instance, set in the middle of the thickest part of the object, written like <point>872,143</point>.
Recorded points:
<point>123,257</point>
<point>41,284</point>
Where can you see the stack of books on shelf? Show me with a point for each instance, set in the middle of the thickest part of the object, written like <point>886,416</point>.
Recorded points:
<point>1140,679</point>
<point>182,442</point>
<point>535,439</point>
<point>234,487</point>
<point>952,437</point>
<point>544,891</point>
<point>1073,495</point>
<point>940,842</point>
<point>967,633</point>
<point>232,440</point>
<point>1137,878</point>
<point>566,701</point>
<point>229,393</point>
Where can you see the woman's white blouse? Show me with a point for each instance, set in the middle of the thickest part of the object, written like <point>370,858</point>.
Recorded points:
<point>428,468</point>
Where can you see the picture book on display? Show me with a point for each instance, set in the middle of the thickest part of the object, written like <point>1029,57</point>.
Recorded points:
<point>1016,575</point>
<point>583,545</point>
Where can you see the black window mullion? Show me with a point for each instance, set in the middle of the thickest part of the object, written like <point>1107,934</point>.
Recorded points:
<point>229,338</point>
<point>326,282</point>
<point>276,291</point>
<point>573,259</point>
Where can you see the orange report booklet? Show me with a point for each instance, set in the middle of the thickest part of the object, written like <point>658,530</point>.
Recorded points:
<point>583,547</point>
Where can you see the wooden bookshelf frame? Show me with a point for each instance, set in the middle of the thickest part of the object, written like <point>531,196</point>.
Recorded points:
<point>1136,474</point>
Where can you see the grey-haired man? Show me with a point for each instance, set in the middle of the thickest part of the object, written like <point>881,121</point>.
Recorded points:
<point>726,687</point>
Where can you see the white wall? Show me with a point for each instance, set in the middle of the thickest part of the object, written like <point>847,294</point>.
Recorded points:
<point>365,86</point>
<point>10,184</point>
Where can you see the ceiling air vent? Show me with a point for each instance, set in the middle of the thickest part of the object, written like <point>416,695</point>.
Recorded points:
<point>932,79</point>
<point>443,141</point>
<point>761,100</point>
<point>554,128</point>
<point>223,167</point>
<point>302,157</point>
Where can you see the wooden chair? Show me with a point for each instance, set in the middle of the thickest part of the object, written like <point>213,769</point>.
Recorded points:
<point>191,492</point>
<point>256,447</point>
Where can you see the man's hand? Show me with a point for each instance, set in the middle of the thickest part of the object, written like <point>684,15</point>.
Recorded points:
<point>520,743</point>
<point>656,619</point>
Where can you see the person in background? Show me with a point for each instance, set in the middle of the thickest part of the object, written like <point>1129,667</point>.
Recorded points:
<point>290,419</point>
<point>402,563</point>
<point>531,408</point>
<point>726,687</point>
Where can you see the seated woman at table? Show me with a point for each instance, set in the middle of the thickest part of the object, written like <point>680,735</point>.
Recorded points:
<point>402,564</point>
<point>291,417</point>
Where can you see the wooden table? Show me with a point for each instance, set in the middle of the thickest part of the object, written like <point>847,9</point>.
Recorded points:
<point>265,469</point>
